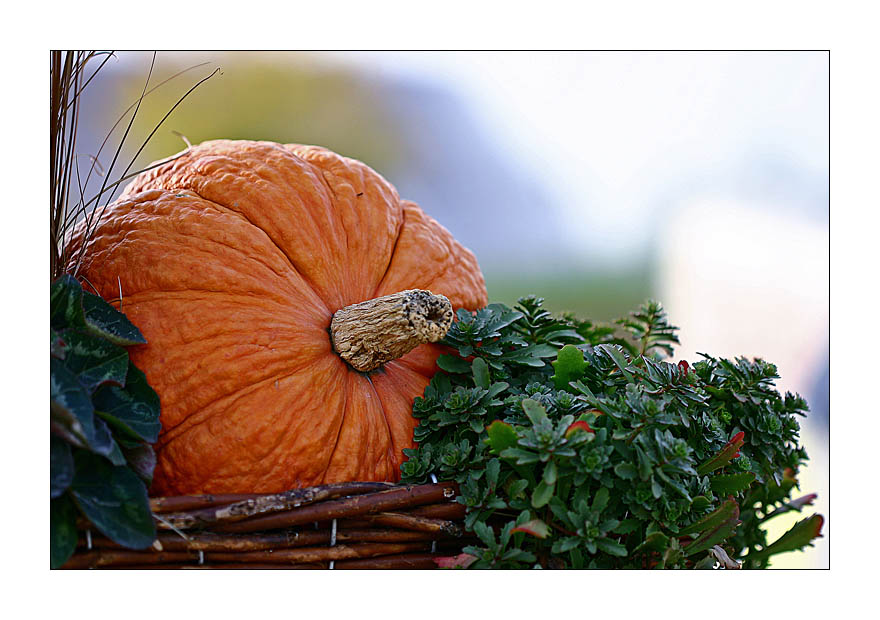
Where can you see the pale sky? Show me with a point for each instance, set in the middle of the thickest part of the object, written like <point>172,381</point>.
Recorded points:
<point>619,135</point>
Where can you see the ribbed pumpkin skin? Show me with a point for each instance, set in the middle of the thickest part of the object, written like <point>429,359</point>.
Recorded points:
<point>232,260</point>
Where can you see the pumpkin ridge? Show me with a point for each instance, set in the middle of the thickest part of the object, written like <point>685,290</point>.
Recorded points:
<point>393,450</point>
<point>338,433</point>
<point>290,262</point>
<point>192,421</point>
<point>324,174</point>
<point>393,252</point>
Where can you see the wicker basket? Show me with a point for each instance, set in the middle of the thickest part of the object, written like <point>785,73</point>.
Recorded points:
<point>354,525</point>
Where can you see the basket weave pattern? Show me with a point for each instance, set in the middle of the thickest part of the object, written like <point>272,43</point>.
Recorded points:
<point>355,525</point>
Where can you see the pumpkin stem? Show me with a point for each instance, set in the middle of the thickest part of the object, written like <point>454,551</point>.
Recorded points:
<point>370,333</point>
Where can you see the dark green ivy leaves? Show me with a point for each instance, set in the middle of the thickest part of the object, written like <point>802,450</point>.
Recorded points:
<point>104,415</point>
<point>114,499</point>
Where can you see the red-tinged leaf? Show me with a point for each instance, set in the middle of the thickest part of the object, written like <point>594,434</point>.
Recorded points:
<point>684,367</point>
<point>574,427</point>
<point>806,500</point>
<point>725,455</point>
<point>799,536</point>
<point>719,531</point>
<point>535,527</point>
<point>501,436</point>
<point>462,560</point>
<point>724,512</point>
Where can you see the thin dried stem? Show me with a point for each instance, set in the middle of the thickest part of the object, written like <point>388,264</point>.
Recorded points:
<point>67,82</point>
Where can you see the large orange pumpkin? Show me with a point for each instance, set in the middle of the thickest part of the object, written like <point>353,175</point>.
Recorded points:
<point>232,259</point>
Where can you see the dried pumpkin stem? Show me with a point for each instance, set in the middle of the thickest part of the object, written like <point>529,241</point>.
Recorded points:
<point>370,333</point>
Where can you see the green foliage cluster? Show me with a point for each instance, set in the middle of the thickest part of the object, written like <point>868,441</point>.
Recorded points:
<point>104,416</point>
<point>575,445</point>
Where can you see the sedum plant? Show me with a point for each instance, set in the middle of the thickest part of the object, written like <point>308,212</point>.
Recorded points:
<point>577,447</point>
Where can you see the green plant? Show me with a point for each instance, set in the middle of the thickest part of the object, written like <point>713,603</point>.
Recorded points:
<point>577,446</point>
<point>104,416</point>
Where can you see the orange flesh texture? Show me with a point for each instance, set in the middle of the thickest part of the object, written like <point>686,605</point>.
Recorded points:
<point>232,260</point>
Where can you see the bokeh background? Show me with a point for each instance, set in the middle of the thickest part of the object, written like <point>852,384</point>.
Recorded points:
<point>593,179</point>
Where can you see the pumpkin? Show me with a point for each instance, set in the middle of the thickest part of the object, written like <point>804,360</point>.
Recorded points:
<point>234,258</point>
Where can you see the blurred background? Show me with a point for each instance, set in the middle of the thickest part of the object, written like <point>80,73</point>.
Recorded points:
<point>593,179</point>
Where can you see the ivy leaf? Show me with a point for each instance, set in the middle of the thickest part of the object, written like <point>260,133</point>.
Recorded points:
<point>105,321</point>
<point>114,499</point>
<point>65,303</point>
<point>71,405</point>
<point>133,409</point>
<point>60,466</point>
<point>569,366</point>
<point>141,458</point>
<point>62,527</point>
<point>94,361</point>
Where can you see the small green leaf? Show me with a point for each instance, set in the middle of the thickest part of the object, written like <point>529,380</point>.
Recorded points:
<point>611,547</point>
<point>481,373</point>
<point>534,410</point>
<point>501,436</point>
<point>727,509</point>
<point>453,364</point>
<point>550,472</point>
<point>105,321</point>
<point>618,358</point>
<point>724,456</point>
<point>485,534</point>
<point>799,536</point>
<point>722,527</point>
<point>114,499</point>
<point>542,494</point>
<point>600,499</point>
<point>627,471</point>
<point>569,366</point>
<point>493,468</point>
<point>655,541</point>
<point>62,526</point>
<point>730,484</point>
